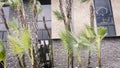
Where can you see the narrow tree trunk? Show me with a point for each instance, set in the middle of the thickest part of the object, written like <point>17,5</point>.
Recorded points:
<point>20,62</point>
<point>67,22</point>
<point>99,54</point>
<point>69,4</point>
<point>21,18</point>
<point>89,57</point>
<point>4,19</point>
<point>92,25</point>
<point>36,58</point>
<point>92,15</point>
<point>44,22</point>
<point>51,47</point>
<point>62,11</point>
<point>79,59</point>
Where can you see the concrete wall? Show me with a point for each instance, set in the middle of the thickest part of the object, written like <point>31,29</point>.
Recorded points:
<point>116,8</point>
<point>57,26</point>
<point>110,54</point>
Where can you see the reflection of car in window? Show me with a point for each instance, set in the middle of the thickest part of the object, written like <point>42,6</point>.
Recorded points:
<point>101,11</point>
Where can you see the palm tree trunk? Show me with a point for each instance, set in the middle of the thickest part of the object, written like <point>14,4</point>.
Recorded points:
<point>71,60</point>
<point>62,11</point>
<point>36,35</point>
<point>92,25</point>
<point>44,22</point>
<point>92,15</point>
<point>69,4</point>
<point>51,47</point>
<point>67,22</point>
<point>4,19</point>
<point>21,17</point>
<point>99,54</point>
<point>79,60</point>
<point>89,57</point>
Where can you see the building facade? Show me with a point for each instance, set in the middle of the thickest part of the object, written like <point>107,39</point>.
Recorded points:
<point>106,15</point>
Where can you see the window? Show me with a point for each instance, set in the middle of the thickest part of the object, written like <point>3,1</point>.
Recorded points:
<point>42,34</point>
<point>45,2</point>
<point>46,7</point>
<point>104,16</point>
<point>46,11</point>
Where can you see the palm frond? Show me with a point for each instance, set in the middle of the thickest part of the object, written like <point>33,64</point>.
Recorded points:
<point>16,45</point>
<point>102,32</point>
<point>3,0</point>
<point>88,38</point>
<point>2,51</point>
<point>13,3</point>
<point>68,40</point>
<point>39,7</point>
<point>82,1</point>
<point>58,15</point>
<point>1,4</point>
<point>26,38</point>
<point>21,42</point>
<point>90,33</point>
<point>13,25</point>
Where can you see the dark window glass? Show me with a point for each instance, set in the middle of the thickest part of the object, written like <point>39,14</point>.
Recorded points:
<point>42,34</point>
<point>104,16</point>
<point>1,34</point>
<point>45,2</point>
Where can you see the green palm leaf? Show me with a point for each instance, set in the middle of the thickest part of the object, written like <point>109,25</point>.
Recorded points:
<point>102,32</point>
<point>13,25</point>
<point>88,38</point>
<point>16,45</point>
<point>2,51</point>
<point>68,40</point>
<point>21,42</point>
<point>26,38</point>
<point>19,39</point>
<point>39,7</point>
<point>58,15</point>
<point>85,1</point>
<point>13,3</point>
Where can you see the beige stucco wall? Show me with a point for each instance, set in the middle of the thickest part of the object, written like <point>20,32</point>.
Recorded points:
<point>81,17</point>
<point>57,26</point>
<point>116,14</point>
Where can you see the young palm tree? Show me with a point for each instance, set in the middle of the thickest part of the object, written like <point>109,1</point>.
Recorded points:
<point>89,38</point>
<point>19,6</point>
<point>91,2</point>
<point>101,33</point>
<point>95,39</point>
<point>20,41</point>
<point>66,17</point>
<point>77,43</point>
<point>68,41</point>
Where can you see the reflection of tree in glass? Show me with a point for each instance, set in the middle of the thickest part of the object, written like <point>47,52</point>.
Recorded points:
<point>102,11</point>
